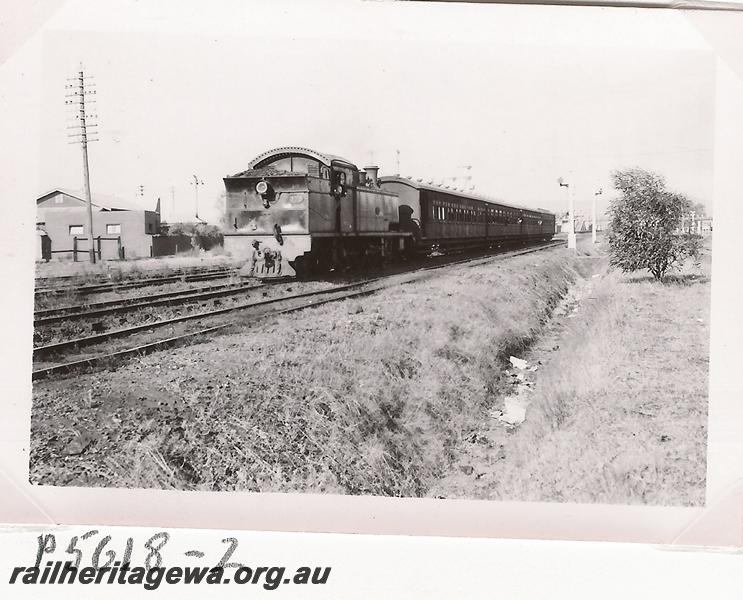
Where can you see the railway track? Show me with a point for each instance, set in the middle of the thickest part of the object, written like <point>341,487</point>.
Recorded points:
<point>260,309</point>
<point>110,307</point>
<point>121,275</point>
<point>98,288</point>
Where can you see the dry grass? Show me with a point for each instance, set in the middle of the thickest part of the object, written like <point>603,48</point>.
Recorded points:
<point>132,268</point>
<point>619,411</point>
<point>370,396</point>
<point>393,394</point>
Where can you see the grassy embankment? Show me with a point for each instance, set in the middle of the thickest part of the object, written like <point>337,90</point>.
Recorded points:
<point>370,396</point>
<point>618,412</point>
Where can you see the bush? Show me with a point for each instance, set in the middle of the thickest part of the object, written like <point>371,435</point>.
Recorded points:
<point>203,236</point>
<point>644,223</point>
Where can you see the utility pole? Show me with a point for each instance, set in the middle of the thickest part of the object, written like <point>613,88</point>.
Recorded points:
<point>398,161</point>
<point>571,212</point>
<point>79,89</point>
<point>196,183</point>
<point>467,177</point>
<point>172,202</point>
<point>593,226</point>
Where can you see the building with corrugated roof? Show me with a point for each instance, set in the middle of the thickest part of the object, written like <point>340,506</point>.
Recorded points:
<point>120,229</point>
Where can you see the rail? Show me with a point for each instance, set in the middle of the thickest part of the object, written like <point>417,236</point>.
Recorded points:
<point>308,300</point>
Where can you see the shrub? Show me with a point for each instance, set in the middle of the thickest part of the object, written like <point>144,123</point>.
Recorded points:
<point>644,222</point>
<point>203,236</point>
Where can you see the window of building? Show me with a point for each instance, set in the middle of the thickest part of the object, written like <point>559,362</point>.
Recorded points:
<point>77,230</point>
<point>113,228</point>
<point>58,199</point>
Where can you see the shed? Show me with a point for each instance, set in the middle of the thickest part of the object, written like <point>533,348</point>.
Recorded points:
<point>116,224</point>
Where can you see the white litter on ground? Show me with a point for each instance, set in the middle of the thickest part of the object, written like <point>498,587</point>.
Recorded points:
<point>515,410</point>
<point>518,362</point>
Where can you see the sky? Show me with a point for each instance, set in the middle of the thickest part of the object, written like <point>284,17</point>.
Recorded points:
<point>522,94</point>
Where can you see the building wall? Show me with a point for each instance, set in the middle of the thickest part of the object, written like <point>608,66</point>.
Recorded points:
<point>151,222</point>
<point>168,245</point>
<point>136,241</point>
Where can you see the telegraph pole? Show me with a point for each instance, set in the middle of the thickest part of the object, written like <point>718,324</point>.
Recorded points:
<point>196,183</point>
<point>468,177</point>
<point>79,89</point>
<point>571,213</point>
<point>172,202</point>
<point>593,226</point>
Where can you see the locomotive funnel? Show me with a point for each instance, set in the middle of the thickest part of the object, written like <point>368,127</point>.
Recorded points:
<point>373,173</point>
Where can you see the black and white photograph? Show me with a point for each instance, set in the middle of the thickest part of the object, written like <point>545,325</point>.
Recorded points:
<point>440,251</point>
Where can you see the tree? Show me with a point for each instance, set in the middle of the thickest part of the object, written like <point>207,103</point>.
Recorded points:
<point>644,222</point>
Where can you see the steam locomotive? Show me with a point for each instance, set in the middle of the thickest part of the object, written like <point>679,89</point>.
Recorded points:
<point>295,211</point>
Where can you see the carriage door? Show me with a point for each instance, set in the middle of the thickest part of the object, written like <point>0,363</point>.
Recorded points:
<point>344,192</point>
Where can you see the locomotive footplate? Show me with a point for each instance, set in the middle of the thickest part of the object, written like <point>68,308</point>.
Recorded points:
<point>269,257</point>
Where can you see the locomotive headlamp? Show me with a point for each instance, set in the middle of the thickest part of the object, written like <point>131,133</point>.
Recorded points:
<point>266,191</point>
